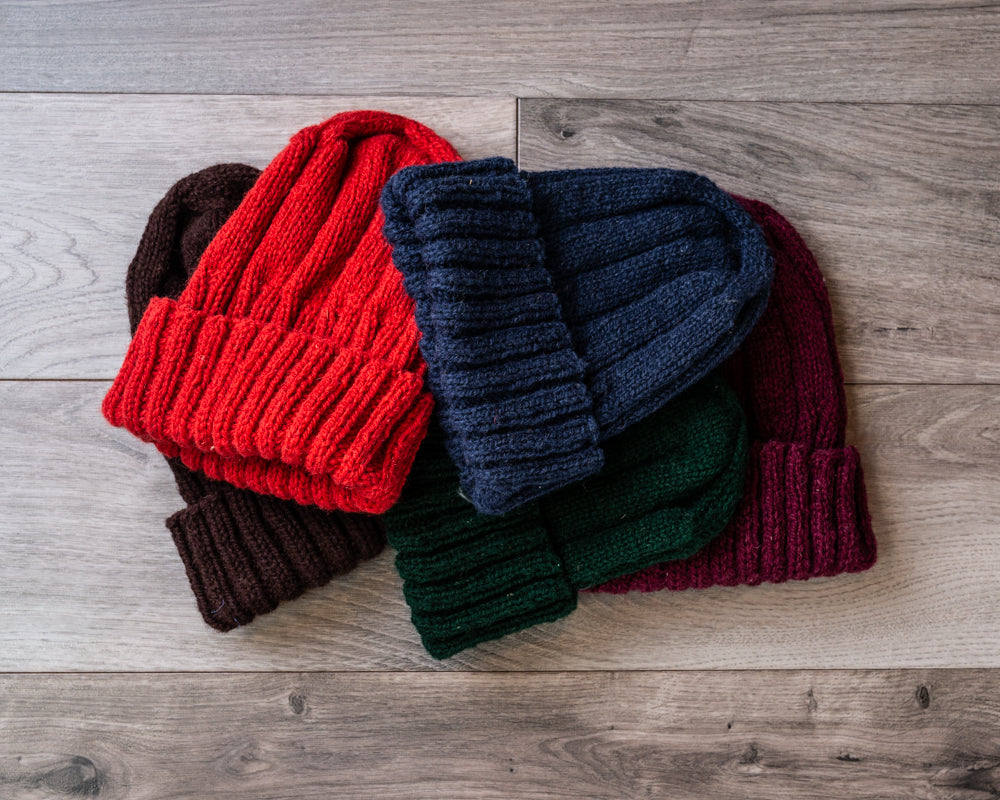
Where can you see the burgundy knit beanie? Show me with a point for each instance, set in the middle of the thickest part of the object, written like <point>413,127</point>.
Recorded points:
<point>244,553</point>
<point>804,512</point>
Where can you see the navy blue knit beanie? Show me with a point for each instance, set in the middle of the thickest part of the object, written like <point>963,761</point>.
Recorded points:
<point>558,308</point>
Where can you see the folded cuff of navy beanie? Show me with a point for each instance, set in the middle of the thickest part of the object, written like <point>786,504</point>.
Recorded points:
<point>510,385</point>
<point>804,514</point>
<point>244,554</point>
<point>273,410</point>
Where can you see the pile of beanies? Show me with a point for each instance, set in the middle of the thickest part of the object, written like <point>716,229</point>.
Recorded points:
<point>529,384</point>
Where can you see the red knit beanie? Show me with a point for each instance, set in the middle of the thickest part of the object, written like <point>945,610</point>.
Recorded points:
<point>289,364</point>
<point>244,553</point>
<point>804,512</point>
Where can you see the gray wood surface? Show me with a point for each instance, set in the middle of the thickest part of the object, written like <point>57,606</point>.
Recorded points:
<point>899,203</point>
<point>81,173</point>
<point>927,734</point>
<point>867,206</point>
<point>91,580</point>
<point>887,50</point>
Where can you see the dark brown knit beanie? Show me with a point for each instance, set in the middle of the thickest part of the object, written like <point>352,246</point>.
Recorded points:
<point>244,553</point>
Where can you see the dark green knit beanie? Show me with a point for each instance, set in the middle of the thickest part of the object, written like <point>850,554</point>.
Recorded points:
<point>669,485</point>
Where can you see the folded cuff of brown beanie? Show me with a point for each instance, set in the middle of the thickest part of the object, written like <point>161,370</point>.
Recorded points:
<point>804,514</point>
<point>293,414</point>
<point>244,554</point>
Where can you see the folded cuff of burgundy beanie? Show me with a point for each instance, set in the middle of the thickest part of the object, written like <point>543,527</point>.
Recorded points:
<point>804,514</point>
<point>270,409</point>
<point>244,553</point>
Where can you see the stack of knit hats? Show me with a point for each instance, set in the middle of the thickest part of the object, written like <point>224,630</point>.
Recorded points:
<point>293,331</point>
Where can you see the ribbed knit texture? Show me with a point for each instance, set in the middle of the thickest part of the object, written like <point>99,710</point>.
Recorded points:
<point>289,363</point>
<point>804,512</point>
<point>669,484</point>
<point>244,553</point>
<point>559,308</point>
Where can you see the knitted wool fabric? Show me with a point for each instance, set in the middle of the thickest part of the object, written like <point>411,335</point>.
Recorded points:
<point>289,363</point>
<point>558,308</point>
<point>804,513</point>
<point>244,553</point>
<point>670,483</point>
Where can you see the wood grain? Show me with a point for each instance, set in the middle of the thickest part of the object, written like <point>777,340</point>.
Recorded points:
<point>82,173</point>
<point>889,50</point>
<point>908,237</point>
<point>900,204</point>
<point>89,578</point>
<point>926,734</point>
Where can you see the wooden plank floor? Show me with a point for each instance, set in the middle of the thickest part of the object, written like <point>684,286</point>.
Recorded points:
<point>687,736</point>
<point>853,50</point>
<point>873,126</point>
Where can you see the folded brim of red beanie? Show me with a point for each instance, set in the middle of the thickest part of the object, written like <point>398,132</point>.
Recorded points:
<point>244,553</point>
<point>804,512</point>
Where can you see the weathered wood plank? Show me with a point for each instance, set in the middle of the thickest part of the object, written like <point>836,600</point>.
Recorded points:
<point>899,203</point>
<point>890,50</point>
<point>908,235</point>
<point>82,173</point>
<point>89,579</point>
<point>927,734</point>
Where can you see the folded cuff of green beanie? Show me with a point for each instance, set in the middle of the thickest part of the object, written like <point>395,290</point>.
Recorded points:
<point>467,577</point>
<point>804,514</point>
<point>509,597</point>
<point>463,591</point>
<point>501,360</point>
<point>244,554</point>
<point>293,414</point>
